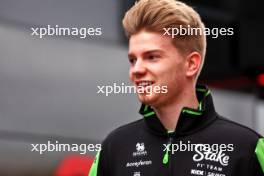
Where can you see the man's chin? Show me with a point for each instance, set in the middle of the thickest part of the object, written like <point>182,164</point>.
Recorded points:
<point>147,98</point>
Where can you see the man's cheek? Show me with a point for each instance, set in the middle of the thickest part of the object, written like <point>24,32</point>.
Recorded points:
<point>131,76</point>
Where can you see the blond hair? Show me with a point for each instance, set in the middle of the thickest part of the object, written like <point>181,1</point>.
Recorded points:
<point>156,15</point>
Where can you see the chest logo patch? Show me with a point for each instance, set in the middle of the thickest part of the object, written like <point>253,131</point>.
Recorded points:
<point>140,150</point>
<point>209,155</point>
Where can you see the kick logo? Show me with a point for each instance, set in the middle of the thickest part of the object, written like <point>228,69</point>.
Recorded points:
<point>209,155</point>
<point>140,150</point>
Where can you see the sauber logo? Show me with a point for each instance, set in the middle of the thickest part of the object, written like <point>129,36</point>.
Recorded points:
<point>208,154</point>
<point>140,150</point>
<point>140,147</point>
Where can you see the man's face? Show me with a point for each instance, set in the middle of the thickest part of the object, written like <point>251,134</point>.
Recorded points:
<point>155,61</point>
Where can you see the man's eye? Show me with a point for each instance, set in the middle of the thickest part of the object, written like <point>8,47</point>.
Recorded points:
<point>153,57</point>
<point>132,60</point>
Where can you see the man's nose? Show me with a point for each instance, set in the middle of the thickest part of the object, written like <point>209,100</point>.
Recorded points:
<point>139,68</point>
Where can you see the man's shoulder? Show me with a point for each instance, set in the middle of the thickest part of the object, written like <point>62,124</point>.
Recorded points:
<point>235,129</point>
<point>127,131</point>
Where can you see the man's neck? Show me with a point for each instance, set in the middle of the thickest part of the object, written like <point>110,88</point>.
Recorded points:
<point>169,114</point>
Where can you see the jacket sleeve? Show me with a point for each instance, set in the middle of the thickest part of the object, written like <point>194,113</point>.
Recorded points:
<point>258,160</point>
<point>100,164</point>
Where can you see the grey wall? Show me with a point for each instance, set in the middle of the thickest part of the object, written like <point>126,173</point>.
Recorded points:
<point>48,87</point>
<point>236,106</point>
<point>259,117</point>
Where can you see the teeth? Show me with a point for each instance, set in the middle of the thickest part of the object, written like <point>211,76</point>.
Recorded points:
<point>145,83</point>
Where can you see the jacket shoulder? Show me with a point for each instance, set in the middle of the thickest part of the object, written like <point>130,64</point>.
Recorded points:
<point>127,131</point>
<point>234,128</point>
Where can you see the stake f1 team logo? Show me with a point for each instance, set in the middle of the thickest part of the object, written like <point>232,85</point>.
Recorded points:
<point>140,150</point>
<point>218,156</point>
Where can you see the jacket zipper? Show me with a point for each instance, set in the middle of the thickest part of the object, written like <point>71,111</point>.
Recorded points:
<point>167,155</point>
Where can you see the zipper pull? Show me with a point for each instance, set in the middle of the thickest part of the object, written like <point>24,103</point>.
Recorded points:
<point>166,155</point>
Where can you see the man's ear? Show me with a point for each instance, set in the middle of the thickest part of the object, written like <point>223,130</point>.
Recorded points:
<point>194,61</point>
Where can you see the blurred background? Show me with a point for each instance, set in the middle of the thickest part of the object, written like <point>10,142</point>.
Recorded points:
<point>48,86</point>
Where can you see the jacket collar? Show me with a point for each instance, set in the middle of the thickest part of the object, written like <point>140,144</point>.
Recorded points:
<point>190,120</point>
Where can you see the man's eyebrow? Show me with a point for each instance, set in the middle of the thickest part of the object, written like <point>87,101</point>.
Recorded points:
<point>131,55</point>
<point>153,51</point>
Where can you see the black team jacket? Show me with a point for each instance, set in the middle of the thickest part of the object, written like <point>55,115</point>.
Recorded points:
<point>203,143</point>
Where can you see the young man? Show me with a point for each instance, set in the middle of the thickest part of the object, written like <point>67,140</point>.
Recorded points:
<point>180,132</point>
